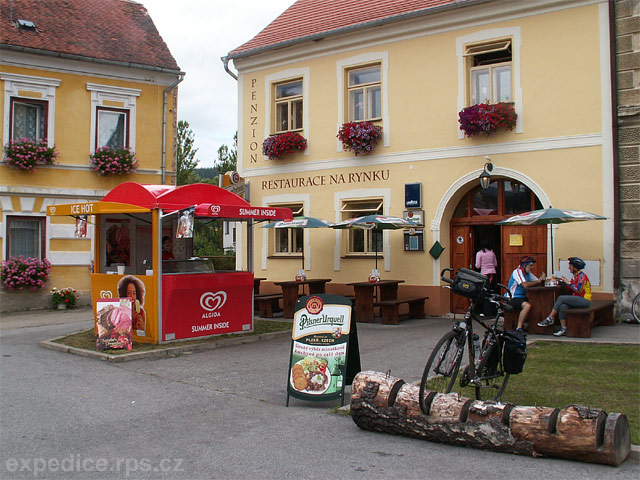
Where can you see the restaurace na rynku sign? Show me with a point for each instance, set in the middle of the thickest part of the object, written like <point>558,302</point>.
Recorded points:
<point>322,180</point>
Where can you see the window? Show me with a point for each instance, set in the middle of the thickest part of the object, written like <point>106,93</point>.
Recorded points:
<point>289,241</point>
<point>489,71</point>
<point>288,107</point>
<point>503,197</point>
<point>25,236</point>
<point>28,119</point>
<point>113,116</point>
<point>364,87</point>
<point>112,128</point>
<point>362,241</point>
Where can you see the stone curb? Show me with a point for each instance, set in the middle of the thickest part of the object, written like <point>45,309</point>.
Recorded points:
<point>164,352</point>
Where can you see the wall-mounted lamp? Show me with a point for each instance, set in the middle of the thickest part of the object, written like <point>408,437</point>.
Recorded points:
<point>485,176</point>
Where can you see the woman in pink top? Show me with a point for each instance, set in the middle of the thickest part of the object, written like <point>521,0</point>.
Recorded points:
<point>487,262</point>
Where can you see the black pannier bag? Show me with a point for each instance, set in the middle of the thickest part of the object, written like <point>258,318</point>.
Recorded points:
<point>515,351</point>
<point>470,284</point>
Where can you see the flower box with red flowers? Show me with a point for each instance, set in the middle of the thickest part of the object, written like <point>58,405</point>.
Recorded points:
<point>487,118</point>
<point>64,296</point>
<point>20,273</point>
<point>277,146</point>
<point>359,137</point>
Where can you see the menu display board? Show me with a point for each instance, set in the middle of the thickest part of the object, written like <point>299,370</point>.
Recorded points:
<point>113,323</point>
<point>319,348</point>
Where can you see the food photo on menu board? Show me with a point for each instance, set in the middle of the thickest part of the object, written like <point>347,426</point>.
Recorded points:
<point>320,341</point>
<point>113,324</point>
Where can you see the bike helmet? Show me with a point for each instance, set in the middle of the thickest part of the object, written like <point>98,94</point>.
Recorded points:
<point>526,260</point>
<point>577,262</point>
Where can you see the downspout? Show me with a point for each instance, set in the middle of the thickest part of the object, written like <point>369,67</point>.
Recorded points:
<point>225,61</point>
<point>615,145</point>
<point>164,125</point>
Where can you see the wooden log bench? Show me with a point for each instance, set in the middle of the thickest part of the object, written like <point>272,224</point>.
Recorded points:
<point>581,320</point>
<point>266,304</point>
<point>389,308</point>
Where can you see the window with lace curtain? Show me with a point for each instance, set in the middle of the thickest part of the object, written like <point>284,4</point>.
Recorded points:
<point>28,119</point>
<point>26,236</point>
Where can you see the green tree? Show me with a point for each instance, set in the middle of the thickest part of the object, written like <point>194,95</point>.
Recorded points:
<point>186,155</point>
<point>227,158</point>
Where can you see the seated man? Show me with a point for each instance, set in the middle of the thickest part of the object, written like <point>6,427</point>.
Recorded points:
<point>522,278</point>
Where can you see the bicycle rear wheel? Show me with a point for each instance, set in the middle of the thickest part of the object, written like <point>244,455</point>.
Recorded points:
<point>442,368</point>
<point>635,308</point>
<point>491,380</point>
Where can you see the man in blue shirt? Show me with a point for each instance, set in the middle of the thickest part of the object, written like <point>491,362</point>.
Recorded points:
<point>520,280</point>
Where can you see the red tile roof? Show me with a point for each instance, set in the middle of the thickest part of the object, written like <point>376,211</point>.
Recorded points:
<point>110,30</point>
<point>308,19</point>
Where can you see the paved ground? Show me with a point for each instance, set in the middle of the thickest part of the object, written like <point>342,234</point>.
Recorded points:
<point>221,414</point>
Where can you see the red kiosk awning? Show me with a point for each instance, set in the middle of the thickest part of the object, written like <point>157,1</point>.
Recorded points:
<point>208,200</point>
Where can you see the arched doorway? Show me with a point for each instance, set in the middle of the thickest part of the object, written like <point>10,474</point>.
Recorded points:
<point>473,226</point>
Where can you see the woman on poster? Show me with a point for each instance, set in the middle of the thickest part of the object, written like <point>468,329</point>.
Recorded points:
<point>133,288</point>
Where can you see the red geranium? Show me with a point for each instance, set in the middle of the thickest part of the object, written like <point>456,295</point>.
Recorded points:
<point>487,118</point>
<point>276,146</point>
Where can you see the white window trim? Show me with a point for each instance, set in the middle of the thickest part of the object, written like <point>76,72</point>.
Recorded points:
<point>109,93</point>
<point>362,193</point>
<point>360,60</point>
<point>14,83</point>
<point>280,77</point>
<point>485,35</point>
<point>288,199</point>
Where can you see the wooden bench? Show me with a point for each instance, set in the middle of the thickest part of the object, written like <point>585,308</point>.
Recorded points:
<point>265,304</point>
<point>581,320</point>
<point>389,308</point>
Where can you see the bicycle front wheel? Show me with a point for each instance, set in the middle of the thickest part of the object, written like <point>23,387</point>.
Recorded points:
<point>635,308</point>
<point>491,380</point>
<point>442,368</point>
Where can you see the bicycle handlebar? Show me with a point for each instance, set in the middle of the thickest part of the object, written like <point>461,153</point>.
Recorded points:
<point>496,298</point>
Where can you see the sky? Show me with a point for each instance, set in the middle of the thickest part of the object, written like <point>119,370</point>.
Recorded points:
<point>198,33</point>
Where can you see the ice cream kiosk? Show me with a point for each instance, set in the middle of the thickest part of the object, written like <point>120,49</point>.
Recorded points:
<point>143,250</point>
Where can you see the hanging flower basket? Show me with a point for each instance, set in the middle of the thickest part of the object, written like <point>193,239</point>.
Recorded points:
<point>487,119</point>
<point>277,146</point>
<point>65,297</point>
<point>359,137</point>
<point>20,273</point>
<point>26,155</point>
<point>108,161</point>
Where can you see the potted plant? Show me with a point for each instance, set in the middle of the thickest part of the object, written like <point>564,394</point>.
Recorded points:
<point>359,137</point>
<point>64,297</point>
<point>487,119</point>
<point>20,273</point>
<point>276,146</point>
<point>26,154</point>
<point>113,161</point>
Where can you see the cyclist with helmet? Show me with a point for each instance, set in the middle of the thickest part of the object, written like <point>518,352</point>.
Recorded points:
<point>580,287</point>
<point>520,280</point>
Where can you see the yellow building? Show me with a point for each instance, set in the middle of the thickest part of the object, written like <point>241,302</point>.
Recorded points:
<point>411,68</point>
<point>81,76</point>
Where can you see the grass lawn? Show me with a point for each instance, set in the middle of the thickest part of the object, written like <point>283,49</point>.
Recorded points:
<point>87,340</point>
<point>557,374</point>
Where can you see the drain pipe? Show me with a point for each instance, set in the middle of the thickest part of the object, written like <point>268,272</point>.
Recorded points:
<point>164,125</point>
<point>225,61</point>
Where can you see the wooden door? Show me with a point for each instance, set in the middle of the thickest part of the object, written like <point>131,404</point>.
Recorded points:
<point>461,257</point>
<point>520,240</point>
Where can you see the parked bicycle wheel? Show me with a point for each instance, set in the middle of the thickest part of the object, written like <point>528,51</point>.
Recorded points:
<point>442,368</point>
<point>493,380</point>
<point>635,308</point>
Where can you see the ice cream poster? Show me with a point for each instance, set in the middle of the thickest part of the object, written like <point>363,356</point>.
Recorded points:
<point>113,324</point>
<point>319,349</point>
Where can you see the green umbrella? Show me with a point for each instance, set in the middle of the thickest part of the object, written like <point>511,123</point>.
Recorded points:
<point>300,222</point>
<point>550,215</point>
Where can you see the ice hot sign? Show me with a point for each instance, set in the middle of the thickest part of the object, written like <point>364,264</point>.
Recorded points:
<point>320,341</point>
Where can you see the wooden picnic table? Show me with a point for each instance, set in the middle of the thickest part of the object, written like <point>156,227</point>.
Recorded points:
<point>541,300</point>
<point>365,297</point>
<point>291,292</point>
<point>256,284</point>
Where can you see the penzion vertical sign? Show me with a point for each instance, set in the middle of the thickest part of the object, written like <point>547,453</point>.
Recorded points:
<point>320,348</point>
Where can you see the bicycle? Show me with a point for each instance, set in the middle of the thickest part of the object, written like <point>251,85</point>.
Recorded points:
<point>487,375</point>
<point>635,308</point>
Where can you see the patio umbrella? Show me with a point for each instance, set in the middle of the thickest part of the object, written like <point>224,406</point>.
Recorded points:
<point>550,215</point>
<point>300,222</point>
<point>376,222</point>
